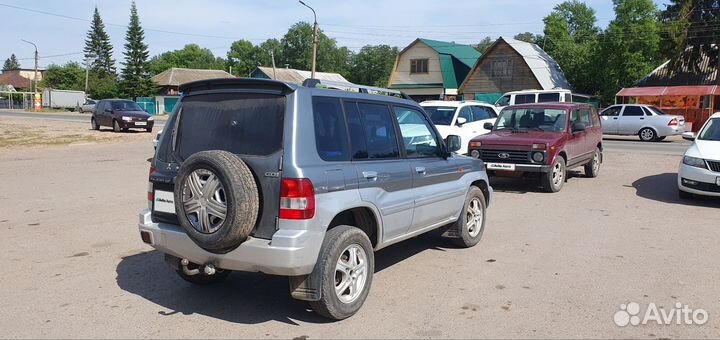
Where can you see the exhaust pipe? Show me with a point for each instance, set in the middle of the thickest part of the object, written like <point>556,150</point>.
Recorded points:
<point>207,269</point>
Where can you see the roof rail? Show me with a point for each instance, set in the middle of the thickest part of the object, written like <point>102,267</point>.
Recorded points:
<point>313,83</point>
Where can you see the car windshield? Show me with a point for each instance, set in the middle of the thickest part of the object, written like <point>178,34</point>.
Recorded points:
<point>126,106</point>
<point>532,119</point>
<point>711,130</point>
<point>440,115</point>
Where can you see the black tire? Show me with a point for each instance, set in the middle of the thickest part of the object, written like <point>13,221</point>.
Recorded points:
<point>647,135</point>
<point>116,126</point>
<point>661,138</point>
<point>592,168</point>
<point>685,195</point>
<point>336,241</point>
<point>148,130</point>
<point>239,191</point>
<point>202,279</point>
<point>554,180</point>
<point>94,124</point>
<point>466,237</point>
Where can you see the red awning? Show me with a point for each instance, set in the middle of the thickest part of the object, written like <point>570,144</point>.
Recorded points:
<point>690,90</point>
<point>717,90</point>
<point>642,91</point>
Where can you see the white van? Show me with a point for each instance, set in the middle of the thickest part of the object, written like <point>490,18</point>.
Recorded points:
<point>534,96</point>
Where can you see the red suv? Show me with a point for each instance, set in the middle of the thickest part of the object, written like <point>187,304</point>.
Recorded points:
<point>542,139</point>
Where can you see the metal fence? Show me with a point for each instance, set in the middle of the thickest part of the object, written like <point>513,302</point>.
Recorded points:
<point>16,100</point>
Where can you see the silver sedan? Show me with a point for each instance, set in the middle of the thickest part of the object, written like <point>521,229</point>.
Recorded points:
<point>645,121</point>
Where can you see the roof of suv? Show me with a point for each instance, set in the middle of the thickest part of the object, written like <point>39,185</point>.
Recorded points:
<point>454,103</point>
<point>552,105</point>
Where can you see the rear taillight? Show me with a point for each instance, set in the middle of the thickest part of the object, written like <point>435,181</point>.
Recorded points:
<point>297,199</point>
<point>150,193</point>
<point>673,122</point>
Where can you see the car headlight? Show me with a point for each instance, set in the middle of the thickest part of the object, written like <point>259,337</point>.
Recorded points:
<point>151,118</point>
<point>694,161</point>
<point>538,157</point>
<point>127,119</point>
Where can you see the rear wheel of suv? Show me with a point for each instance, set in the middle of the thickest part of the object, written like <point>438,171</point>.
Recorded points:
<point>217,200</point>
<point>554,179</point>
<point>647,135</point>
<point>345,266</point>
<point>471,224</point>
<point>592,169</point>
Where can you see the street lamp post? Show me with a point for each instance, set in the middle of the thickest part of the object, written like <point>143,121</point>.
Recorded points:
<point>36,65</point>
<point>315,39</point>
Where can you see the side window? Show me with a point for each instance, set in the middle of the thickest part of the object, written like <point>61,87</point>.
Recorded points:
<point>466,113</point>
<point>379,131</point>
<point>503,101</point>
<point>330,132</point>
<point>647,111</point>
<point>416,133</point>
<point>358,145</point>
<point>482,112</point>
<point>612,111</point>
<point>548,97</point>
<point>633,111</point>
<point>524,98</point>
<point>585,117</point>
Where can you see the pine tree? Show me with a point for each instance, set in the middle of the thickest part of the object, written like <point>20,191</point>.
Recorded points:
<point>98,48</point>
<point>136,72</point>
<point>11,63</point>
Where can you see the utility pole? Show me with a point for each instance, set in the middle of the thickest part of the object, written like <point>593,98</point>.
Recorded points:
<point>315,39</point>
<point>87,72</point>
<point>272,56</point>
<point>36,98</point>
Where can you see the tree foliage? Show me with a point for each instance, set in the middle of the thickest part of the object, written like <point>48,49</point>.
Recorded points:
<point>135,75</point>
<point>98,48</point>
<point>529,38</point>
<point>70,76</point>
<point>297,50</point>
<point>484,44</point>
<point>372,65</point>
<point>692,25</point>
<point>243,57</point>
<point>11,63</point>
<point>190,56</point>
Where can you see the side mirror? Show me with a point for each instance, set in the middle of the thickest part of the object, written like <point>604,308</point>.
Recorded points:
<point>488,126</point>
<point>461,121</point>
<point>578,126</point>
<point>453,143</point>
<point>688,136</point>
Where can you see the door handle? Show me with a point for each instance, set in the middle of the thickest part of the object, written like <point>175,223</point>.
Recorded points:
<point>642,118</point>
<point>615,118</point>
<point>420,170</point>
<point>371,175</point>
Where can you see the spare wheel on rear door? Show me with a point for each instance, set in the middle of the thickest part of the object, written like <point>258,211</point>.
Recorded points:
<point>216,200</point>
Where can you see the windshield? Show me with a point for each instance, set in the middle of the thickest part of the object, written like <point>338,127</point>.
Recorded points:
<point>532,119</point>
<point>711,130</point>
<point>126,106</point>
<point>440,115</point>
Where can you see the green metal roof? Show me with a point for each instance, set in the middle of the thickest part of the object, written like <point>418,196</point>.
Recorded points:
<point>466,54</point>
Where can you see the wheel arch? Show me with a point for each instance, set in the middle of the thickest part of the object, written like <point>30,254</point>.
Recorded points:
<point>363,218</point>
<point>484,187</point>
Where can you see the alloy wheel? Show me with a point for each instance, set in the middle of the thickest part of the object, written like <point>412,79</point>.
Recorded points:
<point>474,217</point>
<point>351,273</point>
<point>204,201</point>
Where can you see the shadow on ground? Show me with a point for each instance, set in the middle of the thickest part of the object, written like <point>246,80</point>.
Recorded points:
<point>663,188</point>
<point>524,185</point>
<point>245,298</point>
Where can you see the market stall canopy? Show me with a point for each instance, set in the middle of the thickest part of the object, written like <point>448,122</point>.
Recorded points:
<point>703,90</point>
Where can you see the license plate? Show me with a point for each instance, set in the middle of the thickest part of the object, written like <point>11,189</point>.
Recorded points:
<point>164,202</point>
<point>501,166</point>
<point>140,123</point>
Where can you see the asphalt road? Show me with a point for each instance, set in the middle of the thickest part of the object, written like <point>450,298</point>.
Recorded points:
<point>549,265</point>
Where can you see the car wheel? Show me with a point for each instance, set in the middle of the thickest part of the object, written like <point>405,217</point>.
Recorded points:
<point>647,135</point>
<point>345,266</point>
<point>116,126</point>
<point>471,224</point>
<point>661,138</point>
<point>554,179</point>
<point>148,130</point>
<point>94,124</point>
<point>592,169</point>
<point>685,195</point>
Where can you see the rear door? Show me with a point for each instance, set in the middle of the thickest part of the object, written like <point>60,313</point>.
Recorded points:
<point>631,120</point>
<point>437,192</point>
<point>384,179</point>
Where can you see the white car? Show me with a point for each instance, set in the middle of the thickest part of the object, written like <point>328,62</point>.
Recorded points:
<point>645,121</point>
<point>462,118</point>
<point>699,171</point>
<point>534,96</point>
<point>88,106</point>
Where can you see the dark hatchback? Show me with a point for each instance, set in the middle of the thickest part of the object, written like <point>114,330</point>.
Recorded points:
<point>121,115</point>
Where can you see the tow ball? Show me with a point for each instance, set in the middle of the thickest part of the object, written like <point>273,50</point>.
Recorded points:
<point>207,269</point>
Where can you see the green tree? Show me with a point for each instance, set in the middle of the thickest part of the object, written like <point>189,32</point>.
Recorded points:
<point>297,50</point>
<point>691,30</point>
<point>630,47</point>
<point>190,56</point>
<point>70,76</point>
<point>571,38</point>
<point>529,38</point>
<point>484,44</point>
<point>372,65</point>
<point>242,57</point>
<point>11,63</point>
<point>266,50</point>
<point>98,48</point>
<point>135,75</point>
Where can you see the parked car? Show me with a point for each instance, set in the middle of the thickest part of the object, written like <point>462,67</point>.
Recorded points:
<point>645,121</point>
<point>463,118</point>
<point>261,175</point>
<point>699,172</point>
<point>121,115</point>
<point>87,106</point>
<point>542,140</point>
<point>545,96</point>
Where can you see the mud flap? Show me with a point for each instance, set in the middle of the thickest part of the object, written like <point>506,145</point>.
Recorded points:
<point>306,287</point>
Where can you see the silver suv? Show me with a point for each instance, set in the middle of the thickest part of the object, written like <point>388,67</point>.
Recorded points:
<point>305,182</point>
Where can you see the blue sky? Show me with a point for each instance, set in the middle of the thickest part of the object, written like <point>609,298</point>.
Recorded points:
<point>170,24</point>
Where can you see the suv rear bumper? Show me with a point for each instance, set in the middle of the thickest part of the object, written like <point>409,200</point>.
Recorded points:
<point>289,253</point>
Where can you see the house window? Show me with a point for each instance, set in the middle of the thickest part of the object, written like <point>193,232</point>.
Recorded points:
<point>501,67</point>
<point>418,66</point>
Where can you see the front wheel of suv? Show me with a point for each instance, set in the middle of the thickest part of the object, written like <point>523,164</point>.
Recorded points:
<point>554,179</point>
<point>592,169</point>
<point>471,224</point>
<point>345,266</point>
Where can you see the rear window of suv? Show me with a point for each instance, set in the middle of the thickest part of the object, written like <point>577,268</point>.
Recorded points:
<point>241,123</point>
